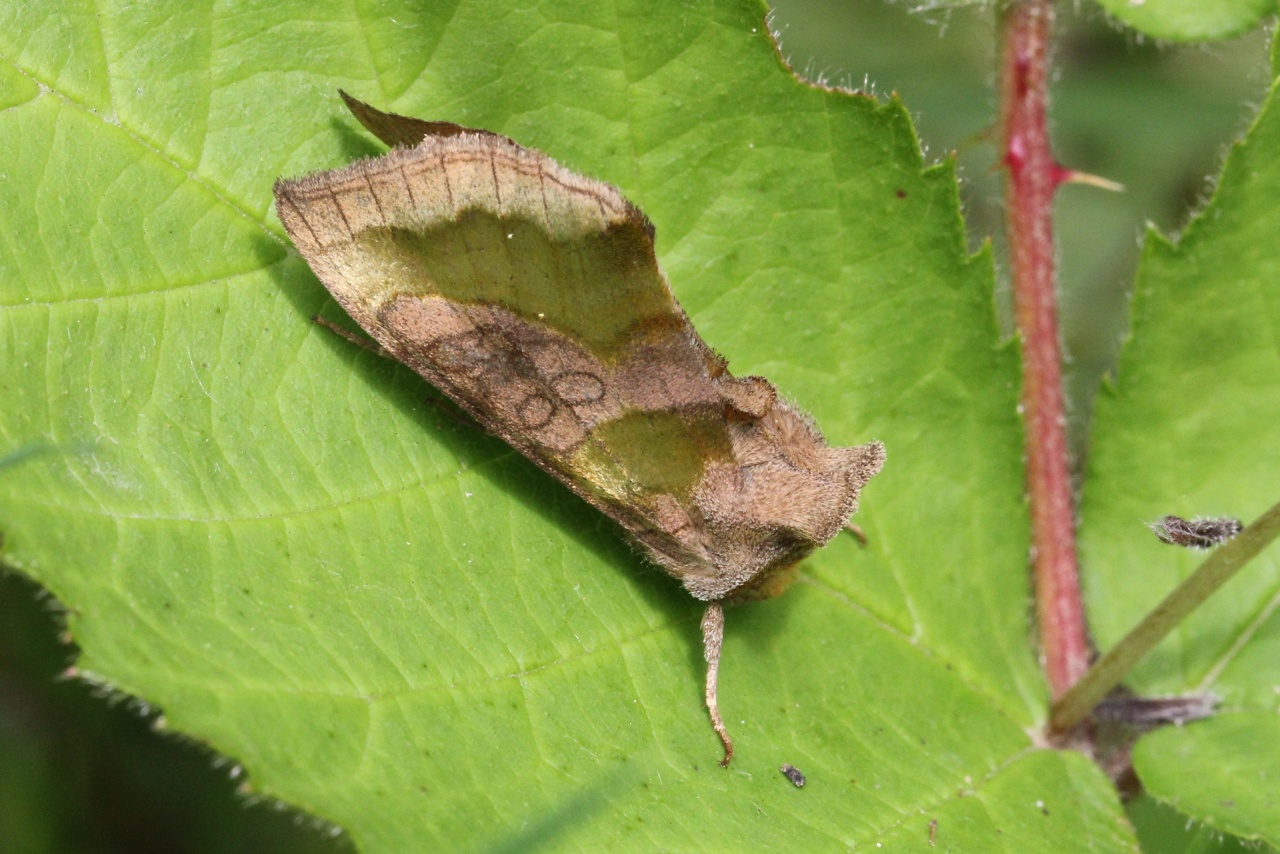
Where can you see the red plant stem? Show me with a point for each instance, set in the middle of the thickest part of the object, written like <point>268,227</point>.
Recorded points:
<point>1032,177</point>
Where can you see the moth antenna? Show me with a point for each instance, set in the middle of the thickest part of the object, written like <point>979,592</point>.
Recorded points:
<point>363,343</point>
<point>712,640</point>
<point>442,404</point>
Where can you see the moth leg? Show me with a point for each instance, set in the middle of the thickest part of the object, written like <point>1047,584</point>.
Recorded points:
<point>858,534</point>
<point>712,640</point>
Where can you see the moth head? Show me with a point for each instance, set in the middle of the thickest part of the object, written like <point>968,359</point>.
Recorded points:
<point>784,494</point>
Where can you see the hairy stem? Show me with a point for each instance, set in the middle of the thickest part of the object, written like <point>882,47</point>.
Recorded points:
<point>1032,177</point>
<point>1216,570</point>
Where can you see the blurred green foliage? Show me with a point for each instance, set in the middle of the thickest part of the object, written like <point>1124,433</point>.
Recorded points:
<point>87,773</point>
<point>1156,118</point>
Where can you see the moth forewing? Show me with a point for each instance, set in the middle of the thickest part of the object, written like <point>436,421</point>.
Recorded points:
<point>532,297</point>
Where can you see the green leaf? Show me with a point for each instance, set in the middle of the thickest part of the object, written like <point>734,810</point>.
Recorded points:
<point>77,774</point>
<point>1191,426</point>
<point>1190,20</point>
<point>1222,771</point>
<point>1162,828</point>
<point>15,88</point>
<point>398,623</point>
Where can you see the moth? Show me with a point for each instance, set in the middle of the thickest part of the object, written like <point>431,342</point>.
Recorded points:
<point>532,297</point>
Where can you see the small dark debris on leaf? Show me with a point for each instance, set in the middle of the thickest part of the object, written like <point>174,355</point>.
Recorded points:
<point>933,832</point>
<point>1196,533</point>
<point>793,774</point>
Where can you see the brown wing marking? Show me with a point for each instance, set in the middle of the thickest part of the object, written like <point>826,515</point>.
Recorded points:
<point>556,403</point>
<point>496,365</point>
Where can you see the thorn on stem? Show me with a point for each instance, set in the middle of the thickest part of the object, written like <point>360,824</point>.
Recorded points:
<point>1063,175</point>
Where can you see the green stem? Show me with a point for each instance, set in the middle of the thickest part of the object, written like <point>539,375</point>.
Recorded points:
<point>1108,671</point>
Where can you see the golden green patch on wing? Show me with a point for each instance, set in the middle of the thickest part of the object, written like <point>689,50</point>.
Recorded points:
<point>475,218</point>
<point>589,287</point>
<point>652,452</point>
